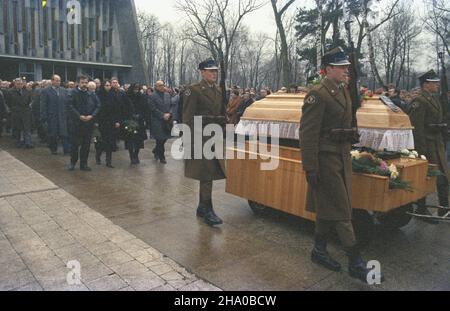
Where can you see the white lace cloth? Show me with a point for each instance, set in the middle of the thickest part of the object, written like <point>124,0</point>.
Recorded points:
<point>382,139</point>
<point>377,139</point>
<point>263,128</point>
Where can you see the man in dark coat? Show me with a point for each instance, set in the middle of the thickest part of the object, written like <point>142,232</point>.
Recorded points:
<point>430,126</point>
<point>161,110</point>
<point>325,137</point>
<point>83,107</point>
<point>204,100</point>
<point>19,100</point>
<point>53,107</point>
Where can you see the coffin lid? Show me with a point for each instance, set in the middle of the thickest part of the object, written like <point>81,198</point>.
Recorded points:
<point>287,108</point>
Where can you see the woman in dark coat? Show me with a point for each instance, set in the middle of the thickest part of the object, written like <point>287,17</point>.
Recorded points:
<point>109,120</point>
<point>135,113</point>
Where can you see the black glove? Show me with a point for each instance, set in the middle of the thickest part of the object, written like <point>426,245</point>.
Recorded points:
<point>312,177</point>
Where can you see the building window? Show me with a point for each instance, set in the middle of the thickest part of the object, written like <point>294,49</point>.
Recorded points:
<point>45,25</point>
<point>33,29</point>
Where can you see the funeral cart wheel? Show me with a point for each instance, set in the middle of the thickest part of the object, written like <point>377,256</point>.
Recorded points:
<point>364,226</point>
<point>257,208</point>
<point>397,218</point>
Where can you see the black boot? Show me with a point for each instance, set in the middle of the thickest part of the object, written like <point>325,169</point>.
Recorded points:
<point>209,216</point>
<point>321,256</point>
<point>109,160</point>
<point>155,154</point>
<point>357,267</point>
<point>98,159</point>
<point>136,156</point>
<point>132,159</point>
<point>201,210</point>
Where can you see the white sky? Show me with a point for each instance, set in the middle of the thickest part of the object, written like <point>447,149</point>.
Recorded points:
<point>261,20</point>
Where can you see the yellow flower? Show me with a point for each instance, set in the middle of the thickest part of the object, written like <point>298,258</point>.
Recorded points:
<point>355,154</point>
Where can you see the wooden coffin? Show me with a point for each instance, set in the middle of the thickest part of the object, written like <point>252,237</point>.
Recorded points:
<point>285,188</point>
<point>288,108</point>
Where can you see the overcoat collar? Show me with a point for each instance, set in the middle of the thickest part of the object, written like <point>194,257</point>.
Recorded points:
<point>429,97</point>
<point>335,92</point>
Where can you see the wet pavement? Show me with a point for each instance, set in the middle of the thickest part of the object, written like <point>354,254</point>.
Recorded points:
<point>157,204</point>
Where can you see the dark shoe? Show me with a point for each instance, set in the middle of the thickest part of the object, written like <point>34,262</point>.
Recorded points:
<point>109,165</point>
<point>72,167</point>
<point>29,147</point>
<point>54,152</point>
<point>324,259</point>
<point>201,210</point>
<point>442,212</point>
<point>85,169</point>
<point>163,161</point>
<point>425,212</point>
<point>211,219</point>
<point>155,154</point>
<point>357,267</point>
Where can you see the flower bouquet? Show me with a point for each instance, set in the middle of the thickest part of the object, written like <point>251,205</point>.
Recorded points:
<point>367,163</point>
<point>130,128</point>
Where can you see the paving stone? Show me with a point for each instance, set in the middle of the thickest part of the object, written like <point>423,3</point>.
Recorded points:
<point>145,282</point>
<point>115,259</point>
<point>107,247</point>
<point>16,280</point>
<point>32,287</point>
<point>12,266</point>
<point>172,276</point>
<point>70,252</point>
<point>107,283</point>
<point>45,265</point>
<point>164,288</point>
<point>200,285</point>
<point>121,236</point>
<point>161,269</point>
<point>95,272</point>
<point>131,268</point>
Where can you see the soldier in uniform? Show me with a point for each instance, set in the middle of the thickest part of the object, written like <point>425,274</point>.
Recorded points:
<point>204,100</point>
<point>429,120</point>
<point>326,137</point>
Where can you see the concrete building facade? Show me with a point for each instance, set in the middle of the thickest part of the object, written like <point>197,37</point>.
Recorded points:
<point>98,38</point>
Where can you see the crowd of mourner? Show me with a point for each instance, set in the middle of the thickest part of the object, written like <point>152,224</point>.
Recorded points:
<point>77,114</point>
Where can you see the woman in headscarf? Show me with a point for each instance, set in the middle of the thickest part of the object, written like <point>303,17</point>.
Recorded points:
<point>109,120</point>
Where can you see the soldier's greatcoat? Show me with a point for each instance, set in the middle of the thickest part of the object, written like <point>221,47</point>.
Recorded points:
<point>426,110</point>
<point>203,100</point>
<point>327,106</point>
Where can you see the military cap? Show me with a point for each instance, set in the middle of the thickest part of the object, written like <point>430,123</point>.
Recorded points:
<point>336,57</point>
<point>209,64</point>
<point>430,76</point>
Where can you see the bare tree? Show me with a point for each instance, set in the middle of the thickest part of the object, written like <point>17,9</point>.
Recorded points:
<point>210,19</point>
<point>437,21</point>
<point>284,53</point>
